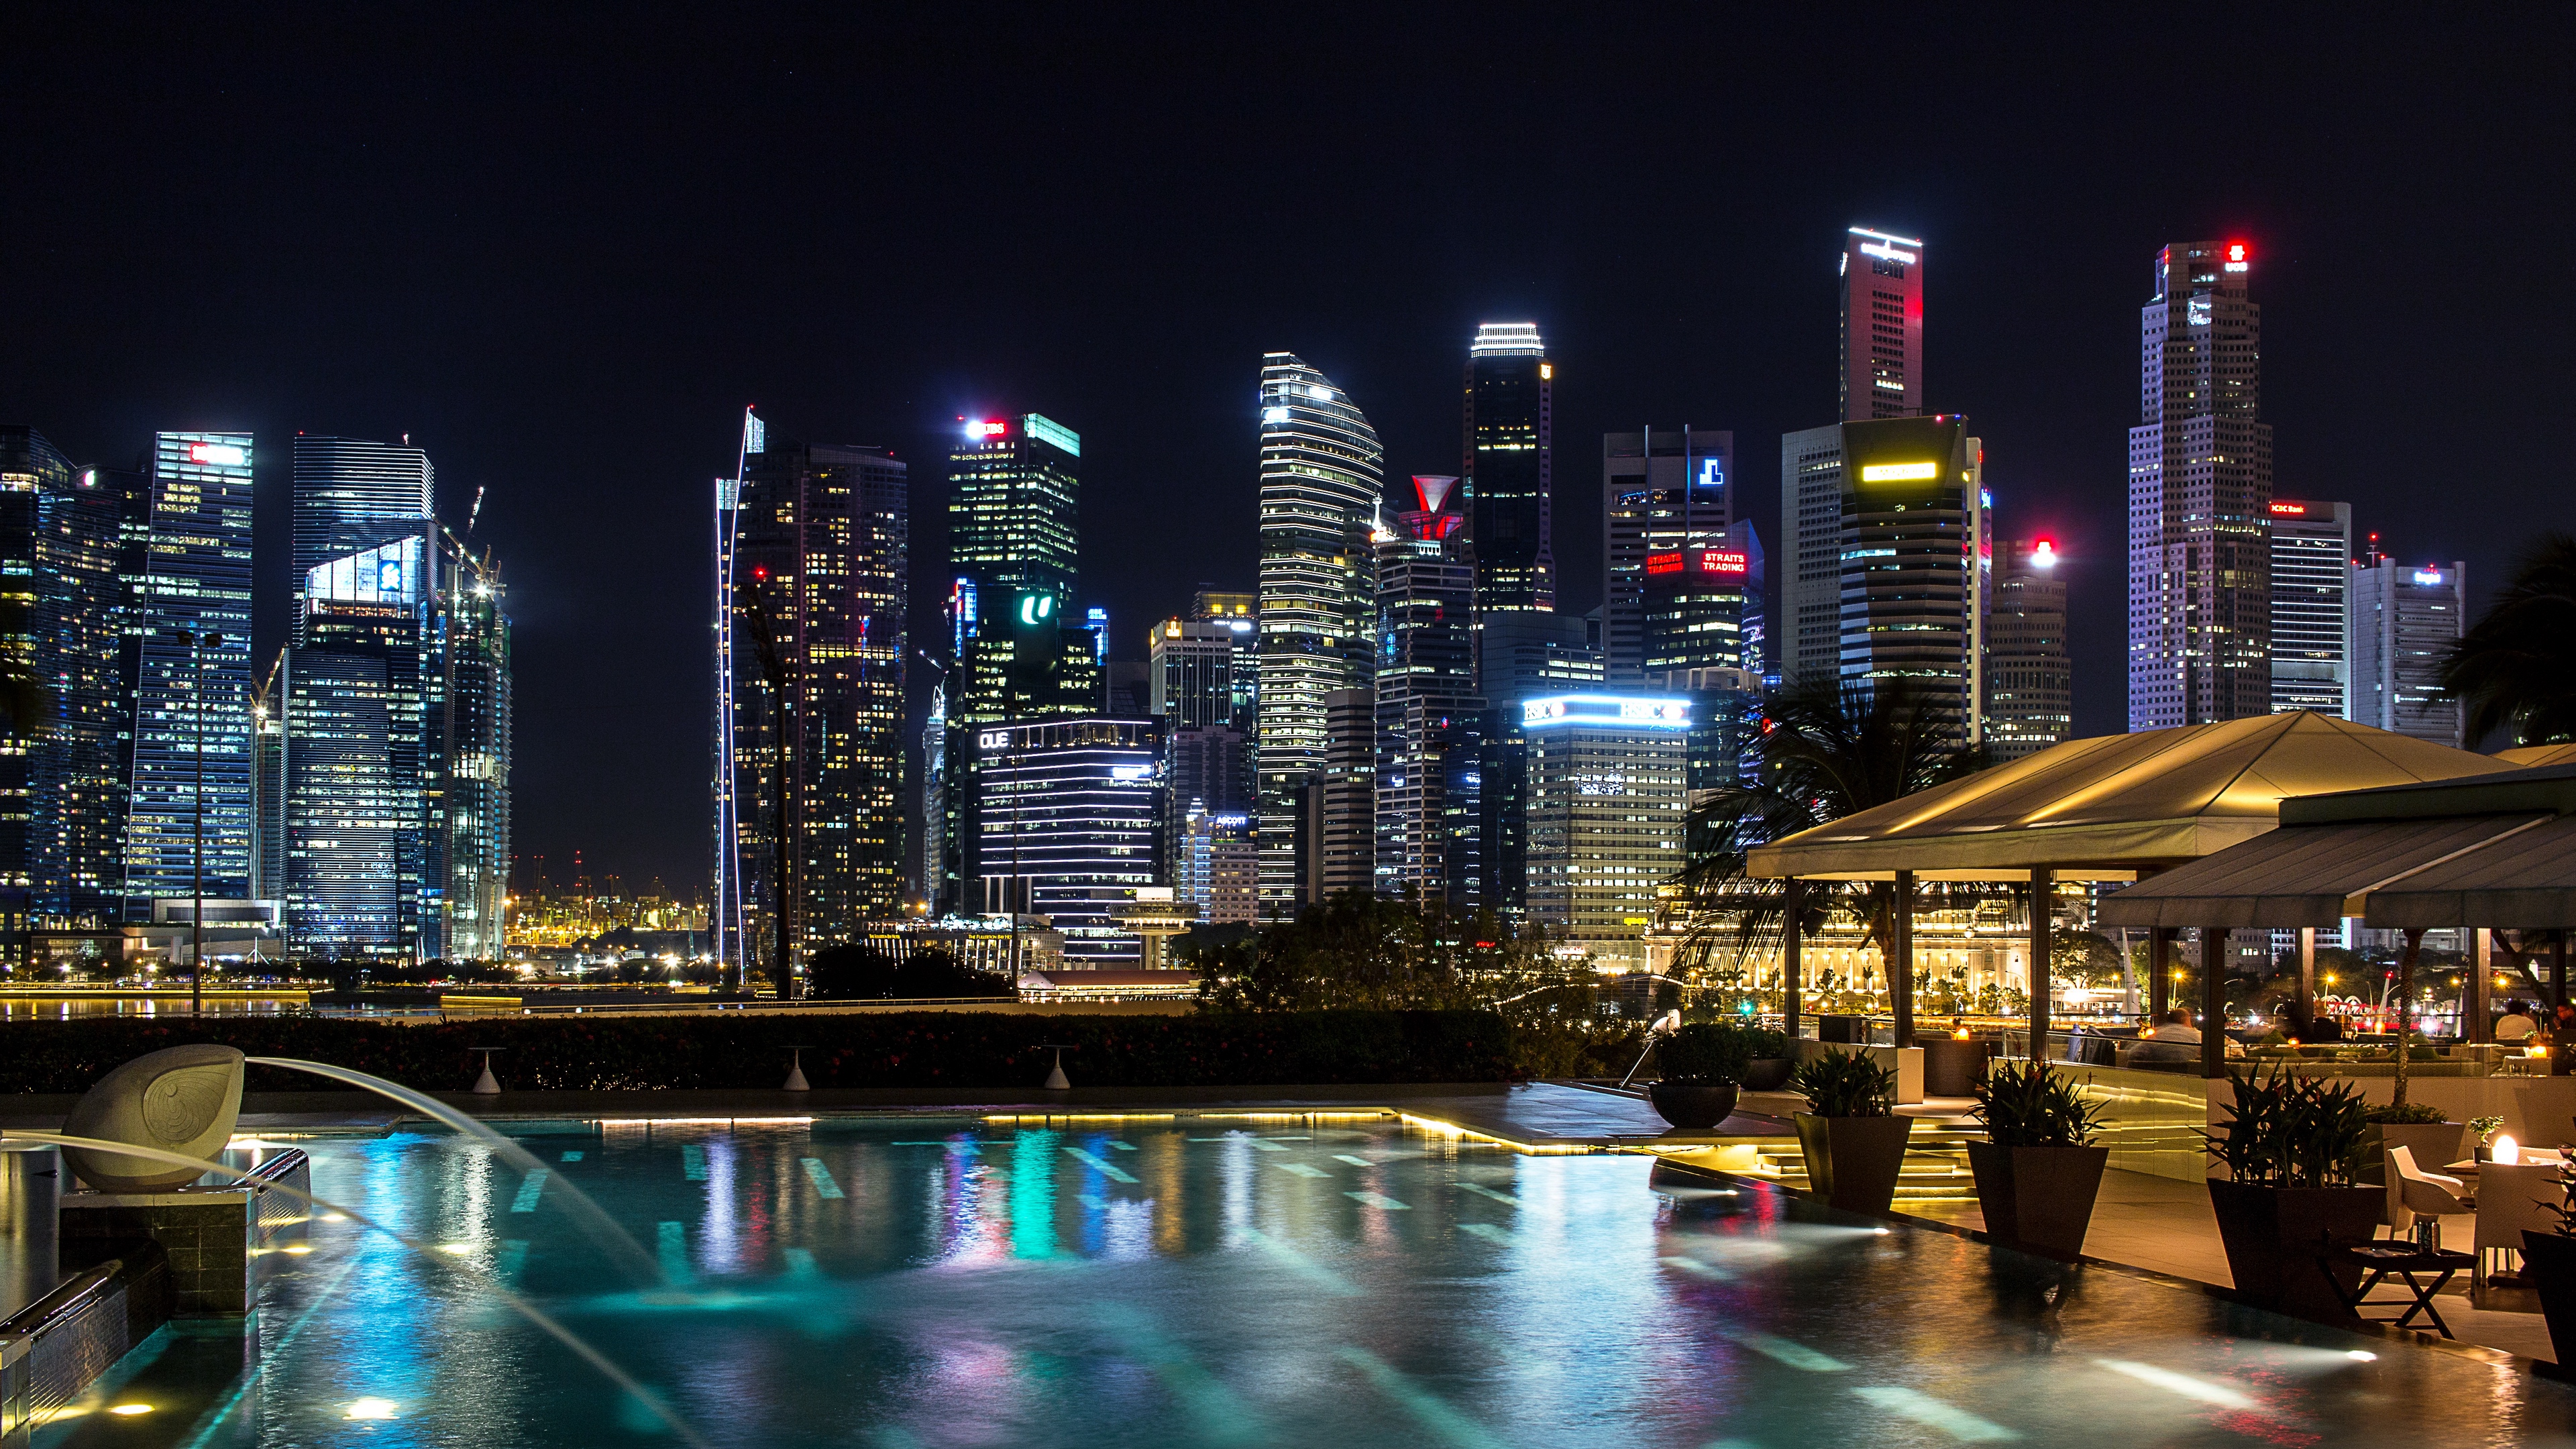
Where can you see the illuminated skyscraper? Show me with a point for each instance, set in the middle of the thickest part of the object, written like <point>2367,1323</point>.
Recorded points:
<point>2405,620</point>
<point>1882,575</point>
<point>361,873</point>
<point>1664,490</point>
<point>1606,811</point>
<point>471,749</point>
<point>189,557</point>
<point>1519,656</point>
<point>61,532</point>
<point>1508,468</point>
<point>352,495</point>
<point>2311,605</point>
<point>1427,736</point>
<point>822,546</point>
<point>1882,292</point>
<point>2030,699</point>
<point>2200,491</point>
<point>1200,680</point>
<point>1068,820</point>
<point>1320,471</point>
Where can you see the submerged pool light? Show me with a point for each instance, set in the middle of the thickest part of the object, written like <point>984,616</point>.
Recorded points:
<point>372,1409</point>
<point>131,1409</point>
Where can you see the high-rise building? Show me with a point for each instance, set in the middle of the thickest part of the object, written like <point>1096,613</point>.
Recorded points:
<point>1218,868</point>
<point>1508,472</point>
<point>1886,522</point>
<point>931,870</point>
<point>821,568</point>
<point>2200,490</point>
<point>268,783</point>
<point>1068,816</point>
<point>1882,295</point>
<point>2405,620</point>
<point>1702,610</point>
<point>2030,701</point>
<point>1201,673</point>
<point>62,530</point>
<point>2311,605</point>
<point>361,878</point>
<point>1339,808</point>
<point>1664,490</point>
<point>1607,804</point>
<point>1427,736</point>
<point>471,747</point>
<point>1018,650</point>
<point>1218,606</point>
<point>352,495</point>
<point>1519,656</point>
<point>189,570</point>
<point>1320,471</point>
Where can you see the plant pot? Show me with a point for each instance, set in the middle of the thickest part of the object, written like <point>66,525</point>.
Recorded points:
<point>2038,1198</point>
<point>2549,1265</point>
<point>1768,1074</point>
<point>1952,1067</point>
<point>1853,1161</point>
<point>2435,1145</point>
<point>2273,1236</point>
<point>1694,1105</point>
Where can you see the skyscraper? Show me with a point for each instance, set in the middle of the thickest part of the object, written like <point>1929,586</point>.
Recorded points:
<point>821,551</point>
<point>360,873</point>
<point>1664,490</point>
<point>1320,471</point>
<point>351,495</point>
<point>62,531</point>
<point>1882,294</point>
<point>2030,702</point>
<point>471,749</point>
<point>1068,820</point>
<point>1507,467</point>
<point>2405,619</point>
<point>1339,806</point>
<point>2311,605</point>
<point>1518,656</point>
<point>190,574</point>
<point>1885,522</point>
<point>1606,811</point>
<point>1427,735</point>
<point>2200,490</point>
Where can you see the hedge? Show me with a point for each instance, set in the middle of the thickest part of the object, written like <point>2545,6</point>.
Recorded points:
<point>907,1049</point>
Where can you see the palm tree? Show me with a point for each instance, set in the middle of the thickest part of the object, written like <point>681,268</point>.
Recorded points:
<point>2516,667</point>
<point>1825,751</point>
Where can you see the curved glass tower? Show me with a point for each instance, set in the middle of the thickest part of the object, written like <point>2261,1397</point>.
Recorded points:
<point>1320,471</point>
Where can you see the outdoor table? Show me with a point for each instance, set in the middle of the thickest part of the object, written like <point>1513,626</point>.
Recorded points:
<point>2403,1261</point>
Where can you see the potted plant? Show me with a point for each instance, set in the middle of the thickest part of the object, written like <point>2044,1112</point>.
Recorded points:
<point>1852,1137</point>
<point>1770,1061</point>
<point>2549,1264</point>
<point>2423,1131</point>
<point>2293,1148</point>
<point>2038,1172</point>
<point>2486,1128</point>
<point>1703,1067</point>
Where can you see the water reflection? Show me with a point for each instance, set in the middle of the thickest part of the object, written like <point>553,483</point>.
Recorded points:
<point>1207,1283</point>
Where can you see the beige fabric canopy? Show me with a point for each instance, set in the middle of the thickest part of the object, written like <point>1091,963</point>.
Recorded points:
<point>2115,802</point>
<point>2303,875</point>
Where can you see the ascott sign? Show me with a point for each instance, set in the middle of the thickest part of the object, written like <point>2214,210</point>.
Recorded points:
<point>1634,711</point>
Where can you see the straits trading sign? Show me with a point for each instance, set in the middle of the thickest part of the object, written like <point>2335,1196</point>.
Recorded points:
<point>1631,711</point>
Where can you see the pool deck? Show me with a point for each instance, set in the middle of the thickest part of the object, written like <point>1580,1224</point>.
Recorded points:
<point>2158,1225</point>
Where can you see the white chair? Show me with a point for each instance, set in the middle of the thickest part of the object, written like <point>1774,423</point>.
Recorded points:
<point>2510,1199</point>
<point>2427,1194</point>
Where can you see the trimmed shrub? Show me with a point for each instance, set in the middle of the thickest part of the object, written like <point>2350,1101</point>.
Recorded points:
<point>738,1050</point>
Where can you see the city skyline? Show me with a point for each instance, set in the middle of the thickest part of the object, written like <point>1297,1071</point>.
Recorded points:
<point>593,419</point>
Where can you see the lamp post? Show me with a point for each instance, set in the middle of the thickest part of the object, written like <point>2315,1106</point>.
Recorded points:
<point>198,644</point>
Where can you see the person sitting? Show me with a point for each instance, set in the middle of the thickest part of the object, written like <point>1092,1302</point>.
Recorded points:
<point>2515,1027</point>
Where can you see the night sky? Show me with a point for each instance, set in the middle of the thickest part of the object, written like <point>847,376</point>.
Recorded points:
<point>562,251</point>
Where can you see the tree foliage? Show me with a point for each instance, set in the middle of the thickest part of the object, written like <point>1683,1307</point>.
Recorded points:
<point>857,972</point>
<point>1370,952</point>
<point>2516,667</point>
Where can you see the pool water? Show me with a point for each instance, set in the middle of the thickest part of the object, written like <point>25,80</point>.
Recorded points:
<point>1219,1281</point>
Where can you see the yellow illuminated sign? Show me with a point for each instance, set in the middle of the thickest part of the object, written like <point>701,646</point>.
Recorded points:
<point>1900,472</point>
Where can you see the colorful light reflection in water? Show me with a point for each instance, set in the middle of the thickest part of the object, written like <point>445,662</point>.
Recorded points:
<point>1197,1282</point>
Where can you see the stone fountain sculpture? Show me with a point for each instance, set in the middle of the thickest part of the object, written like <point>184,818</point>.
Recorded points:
<point>184,1099</point>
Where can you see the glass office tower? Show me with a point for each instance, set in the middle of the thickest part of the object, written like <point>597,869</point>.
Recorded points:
<point>2311,605</point>
<point>1427,736</point>
<point>1663,490</point>
<point>1320,472</point>
<point>189,553</point>
<point>360,879</point>
<point>1508,469</point>
<point>2200,489</point>
<point>352,495</point>
<point>471,747</point>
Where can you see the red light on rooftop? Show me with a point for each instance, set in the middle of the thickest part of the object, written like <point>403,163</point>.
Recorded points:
<point>2043,554</point>
<point>2236,251</point>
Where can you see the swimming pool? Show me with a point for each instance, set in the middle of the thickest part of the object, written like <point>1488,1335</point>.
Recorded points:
<point>1218,1281</point>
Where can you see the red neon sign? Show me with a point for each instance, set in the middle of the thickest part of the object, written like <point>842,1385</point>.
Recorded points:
<point>1720,561</point>
<point>1663,563</point>
<point>2291,508</point>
